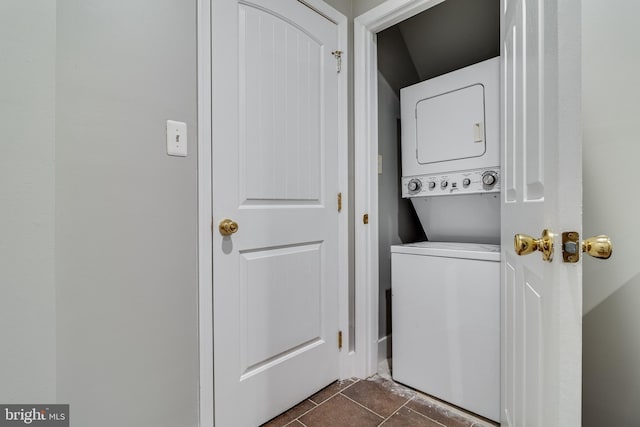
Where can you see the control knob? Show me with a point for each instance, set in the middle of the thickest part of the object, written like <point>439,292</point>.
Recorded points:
<point>432,185</point>
<point>466,182</point>
<point>414,185</point>
<point>489,178</point>
<point>444,183</point>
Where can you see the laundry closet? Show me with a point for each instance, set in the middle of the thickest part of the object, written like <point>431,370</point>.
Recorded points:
<point>438,203</point>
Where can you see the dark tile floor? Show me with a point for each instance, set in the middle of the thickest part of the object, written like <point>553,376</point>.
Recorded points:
<point>376,401</point>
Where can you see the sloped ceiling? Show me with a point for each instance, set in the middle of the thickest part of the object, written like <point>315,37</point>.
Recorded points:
<point>446,37</point>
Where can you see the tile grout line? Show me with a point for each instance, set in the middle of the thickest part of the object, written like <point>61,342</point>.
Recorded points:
<point>456,411</point>
<point>428,418</point>
<point>423,415</point>
<point>395,412</point>
<point>360,404</point>
<point>303,414</point>
<point>333,395</point>
<point>317,405</point>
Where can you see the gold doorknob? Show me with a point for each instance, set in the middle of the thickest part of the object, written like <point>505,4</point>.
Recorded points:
<point>524,244</point>
<point>227,227</point>
<point>598,246</point>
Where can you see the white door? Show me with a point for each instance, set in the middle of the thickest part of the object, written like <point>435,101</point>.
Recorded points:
<point>542,301</point>
<point>275,174</point>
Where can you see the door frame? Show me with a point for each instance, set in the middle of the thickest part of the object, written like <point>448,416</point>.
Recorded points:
<point>365,81</point>
<point>205,241</point>
<point>205,56</point>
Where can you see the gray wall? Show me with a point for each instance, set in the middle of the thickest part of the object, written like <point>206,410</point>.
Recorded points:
<point>27,297</point>
<point>449,36</point>
<point>362,6</point>
<point>394,60</point>
<point>342,6</point>
<point>452,35</point>
<point>398,222</point>
<point>611,348</point>
<point>126,231</point>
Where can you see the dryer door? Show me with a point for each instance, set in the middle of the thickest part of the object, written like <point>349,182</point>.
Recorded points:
<point>451,126</point>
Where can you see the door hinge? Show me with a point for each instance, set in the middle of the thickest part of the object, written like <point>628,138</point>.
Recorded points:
<point>338,55</point>
<point>339,202</point>
<point>339,340</point>
<point>365,219</point>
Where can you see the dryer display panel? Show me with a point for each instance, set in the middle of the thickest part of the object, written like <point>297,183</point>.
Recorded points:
<point>451,126</point>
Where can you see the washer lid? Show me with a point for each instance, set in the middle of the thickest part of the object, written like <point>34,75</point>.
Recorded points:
<point>480,251</point>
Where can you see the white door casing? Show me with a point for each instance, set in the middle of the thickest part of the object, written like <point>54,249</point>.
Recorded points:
<point>542,189</point>
<point>277,170</point>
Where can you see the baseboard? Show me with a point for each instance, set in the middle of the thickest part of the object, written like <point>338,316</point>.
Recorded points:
<point>384,357</point>
<point>384,348</point>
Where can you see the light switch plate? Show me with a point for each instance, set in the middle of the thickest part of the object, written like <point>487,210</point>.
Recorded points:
<point>176,138</point>
<point>379,164</point>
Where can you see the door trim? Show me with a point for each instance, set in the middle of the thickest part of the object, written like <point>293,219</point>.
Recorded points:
<point>205,265</point>
<point>365,80</point>
<point>205,199</point>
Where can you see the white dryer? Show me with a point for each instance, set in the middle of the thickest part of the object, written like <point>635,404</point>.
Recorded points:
<point>451,124</point>
<point>451,147</point>
<point>446,322</point>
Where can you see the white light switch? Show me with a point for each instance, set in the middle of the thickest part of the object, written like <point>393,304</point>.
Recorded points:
<point>176,138</point>
<point>379,164</point>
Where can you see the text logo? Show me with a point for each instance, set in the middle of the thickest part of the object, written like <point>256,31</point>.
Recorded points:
<point>34,415</point>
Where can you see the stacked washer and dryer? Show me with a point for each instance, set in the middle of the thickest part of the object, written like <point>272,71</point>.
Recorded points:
<point>446,291</point>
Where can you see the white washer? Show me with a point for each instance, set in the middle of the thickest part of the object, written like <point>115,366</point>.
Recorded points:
<point>446,322</point>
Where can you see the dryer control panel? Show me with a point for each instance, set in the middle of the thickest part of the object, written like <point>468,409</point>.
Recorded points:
<point>486,180</point>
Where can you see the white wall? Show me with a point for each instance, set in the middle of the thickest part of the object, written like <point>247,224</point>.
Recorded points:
<point>27,297</point>
<point>126,231</point>
<point>611,65</point>
<point>611,349</point>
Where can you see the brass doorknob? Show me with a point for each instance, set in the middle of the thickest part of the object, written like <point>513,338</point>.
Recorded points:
<point>524,245</point>
<point>227,227</point>
<point>598,246</point>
